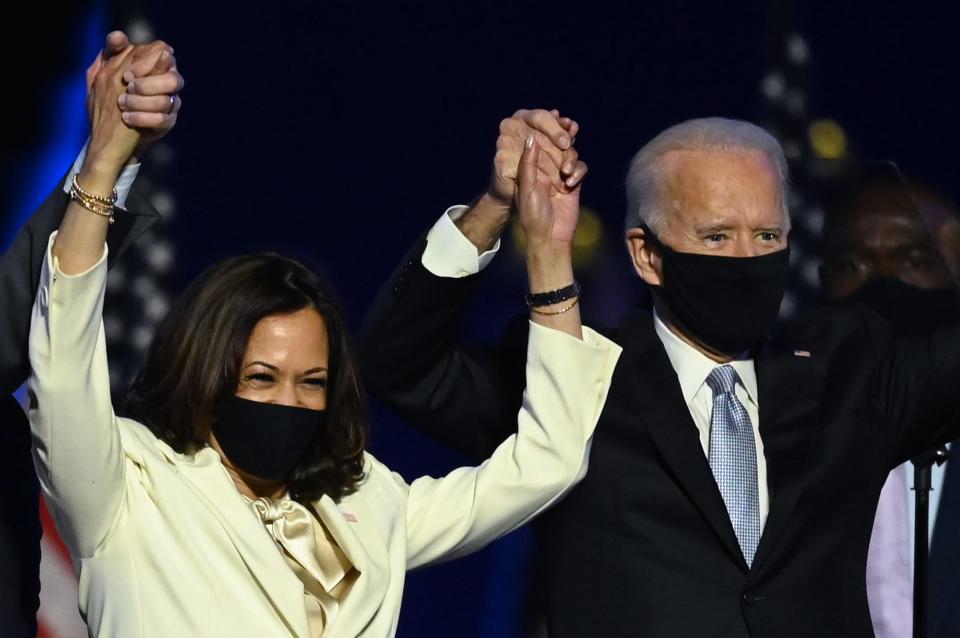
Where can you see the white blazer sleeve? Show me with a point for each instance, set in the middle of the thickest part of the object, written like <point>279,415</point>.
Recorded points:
<point>76,443</point>
<point>567,384</point>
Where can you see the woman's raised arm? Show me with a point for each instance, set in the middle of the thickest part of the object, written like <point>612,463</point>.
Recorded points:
<point>77,446</point>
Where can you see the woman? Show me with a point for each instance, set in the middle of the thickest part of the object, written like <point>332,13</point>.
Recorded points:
<point>240,502</point>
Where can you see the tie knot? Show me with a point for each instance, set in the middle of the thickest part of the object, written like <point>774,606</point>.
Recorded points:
<point>722,380</point>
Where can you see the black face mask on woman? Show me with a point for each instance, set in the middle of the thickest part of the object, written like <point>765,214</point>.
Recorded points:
<point>265,439</point>
<point>727,303</point>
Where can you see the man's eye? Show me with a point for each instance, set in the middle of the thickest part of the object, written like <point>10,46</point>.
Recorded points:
<point>769,236</point>
<point>716,237</point>
<point>848,265</point>
<point>920,261</point>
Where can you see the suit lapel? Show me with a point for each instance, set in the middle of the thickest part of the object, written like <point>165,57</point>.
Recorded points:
<point>651,387</point>
<point>360,540</point>
<point>789,387</point>
<point>130,224</point>
<point>209,481</point>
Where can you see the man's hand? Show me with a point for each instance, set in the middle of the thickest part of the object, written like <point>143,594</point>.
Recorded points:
<point>554,135</point>
<point>150,102</point>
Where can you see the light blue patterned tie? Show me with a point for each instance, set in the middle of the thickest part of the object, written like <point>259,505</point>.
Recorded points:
<point>733,459</point>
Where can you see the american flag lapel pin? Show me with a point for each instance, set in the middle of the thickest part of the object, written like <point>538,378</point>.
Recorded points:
<point>802,353</point>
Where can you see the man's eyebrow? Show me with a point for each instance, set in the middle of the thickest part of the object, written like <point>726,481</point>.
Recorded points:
<point>712,228</point>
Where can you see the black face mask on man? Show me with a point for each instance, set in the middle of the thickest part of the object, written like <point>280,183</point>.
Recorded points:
<point>265,439</point>
<point>727,303</point>
<point>910,311</point>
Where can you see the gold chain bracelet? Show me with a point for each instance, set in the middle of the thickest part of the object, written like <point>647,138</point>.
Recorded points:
<point>557,312</point>
<point>102,206</point>
<point>111,200</point>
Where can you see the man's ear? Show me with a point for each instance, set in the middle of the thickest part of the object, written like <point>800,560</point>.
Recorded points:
<point>646,260</point>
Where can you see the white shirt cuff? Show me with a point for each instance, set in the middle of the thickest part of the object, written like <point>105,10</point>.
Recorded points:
<point>124,181</point>
<point>449,253</point>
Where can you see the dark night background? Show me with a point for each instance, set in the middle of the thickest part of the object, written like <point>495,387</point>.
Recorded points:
<point>339,131</point>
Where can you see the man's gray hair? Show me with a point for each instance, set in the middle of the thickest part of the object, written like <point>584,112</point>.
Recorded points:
<point>704,134</point>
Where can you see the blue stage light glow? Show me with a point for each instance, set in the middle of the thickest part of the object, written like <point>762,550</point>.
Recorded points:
<point>66,129</point>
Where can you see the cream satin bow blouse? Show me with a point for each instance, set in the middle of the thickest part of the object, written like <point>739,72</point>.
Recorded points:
<point>313,555</point>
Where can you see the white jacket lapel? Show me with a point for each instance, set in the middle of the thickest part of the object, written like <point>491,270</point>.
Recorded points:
<point>355,530</point>
<point>205,474</point>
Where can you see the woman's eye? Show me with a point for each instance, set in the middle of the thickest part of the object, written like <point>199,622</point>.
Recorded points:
<point>316,383</point>
<point>259,377</point>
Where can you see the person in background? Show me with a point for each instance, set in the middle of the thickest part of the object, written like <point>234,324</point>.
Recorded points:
<point>151,103</point>
<point>890,248</point>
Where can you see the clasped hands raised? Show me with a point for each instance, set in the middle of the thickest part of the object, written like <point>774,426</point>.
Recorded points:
<point>132,100</point>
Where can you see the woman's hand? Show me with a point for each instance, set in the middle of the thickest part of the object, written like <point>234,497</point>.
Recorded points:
<point>116,134</point>
<point>151,101</point>
<point>554,135</point>
<point>549,218</point>
<point>548,212</point>
<point>112,141</point>
<point>139,84</point>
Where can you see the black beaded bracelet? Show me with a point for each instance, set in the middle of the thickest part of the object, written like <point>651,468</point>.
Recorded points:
<point>551,297</point>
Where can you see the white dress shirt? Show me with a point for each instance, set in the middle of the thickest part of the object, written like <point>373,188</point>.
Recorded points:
<point>692,368</point>
<point>936,482</point>
<point>450,254</point>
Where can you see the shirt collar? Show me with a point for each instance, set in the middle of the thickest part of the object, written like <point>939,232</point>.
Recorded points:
<point>693,367</point>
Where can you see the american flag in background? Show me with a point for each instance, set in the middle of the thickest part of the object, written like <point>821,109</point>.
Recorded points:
<point>138,297</point>
<point>58,616</point>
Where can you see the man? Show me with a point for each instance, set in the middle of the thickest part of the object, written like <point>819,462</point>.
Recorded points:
<point>877,249</point>
<point>151,103</point>
<point>733,479</point>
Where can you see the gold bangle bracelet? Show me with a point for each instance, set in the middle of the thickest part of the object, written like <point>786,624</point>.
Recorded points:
<point>111,200</point>
<point>86,201</point>
<point>97,208</point>
<point>557,312</point>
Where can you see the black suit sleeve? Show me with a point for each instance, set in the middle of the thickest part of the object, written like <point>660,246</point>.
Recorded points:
<point>464,397</point>
<point>919,380</point>
<point>19,526</point>
<point>20,273</point>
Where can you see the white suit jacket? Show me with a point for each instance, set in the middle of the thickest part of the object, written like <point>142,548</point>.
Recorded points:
<point>164,544</point>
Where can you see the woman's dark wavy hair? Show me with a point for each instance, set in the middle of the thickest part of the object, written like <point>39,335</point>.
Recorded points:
<point>194,363</point>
